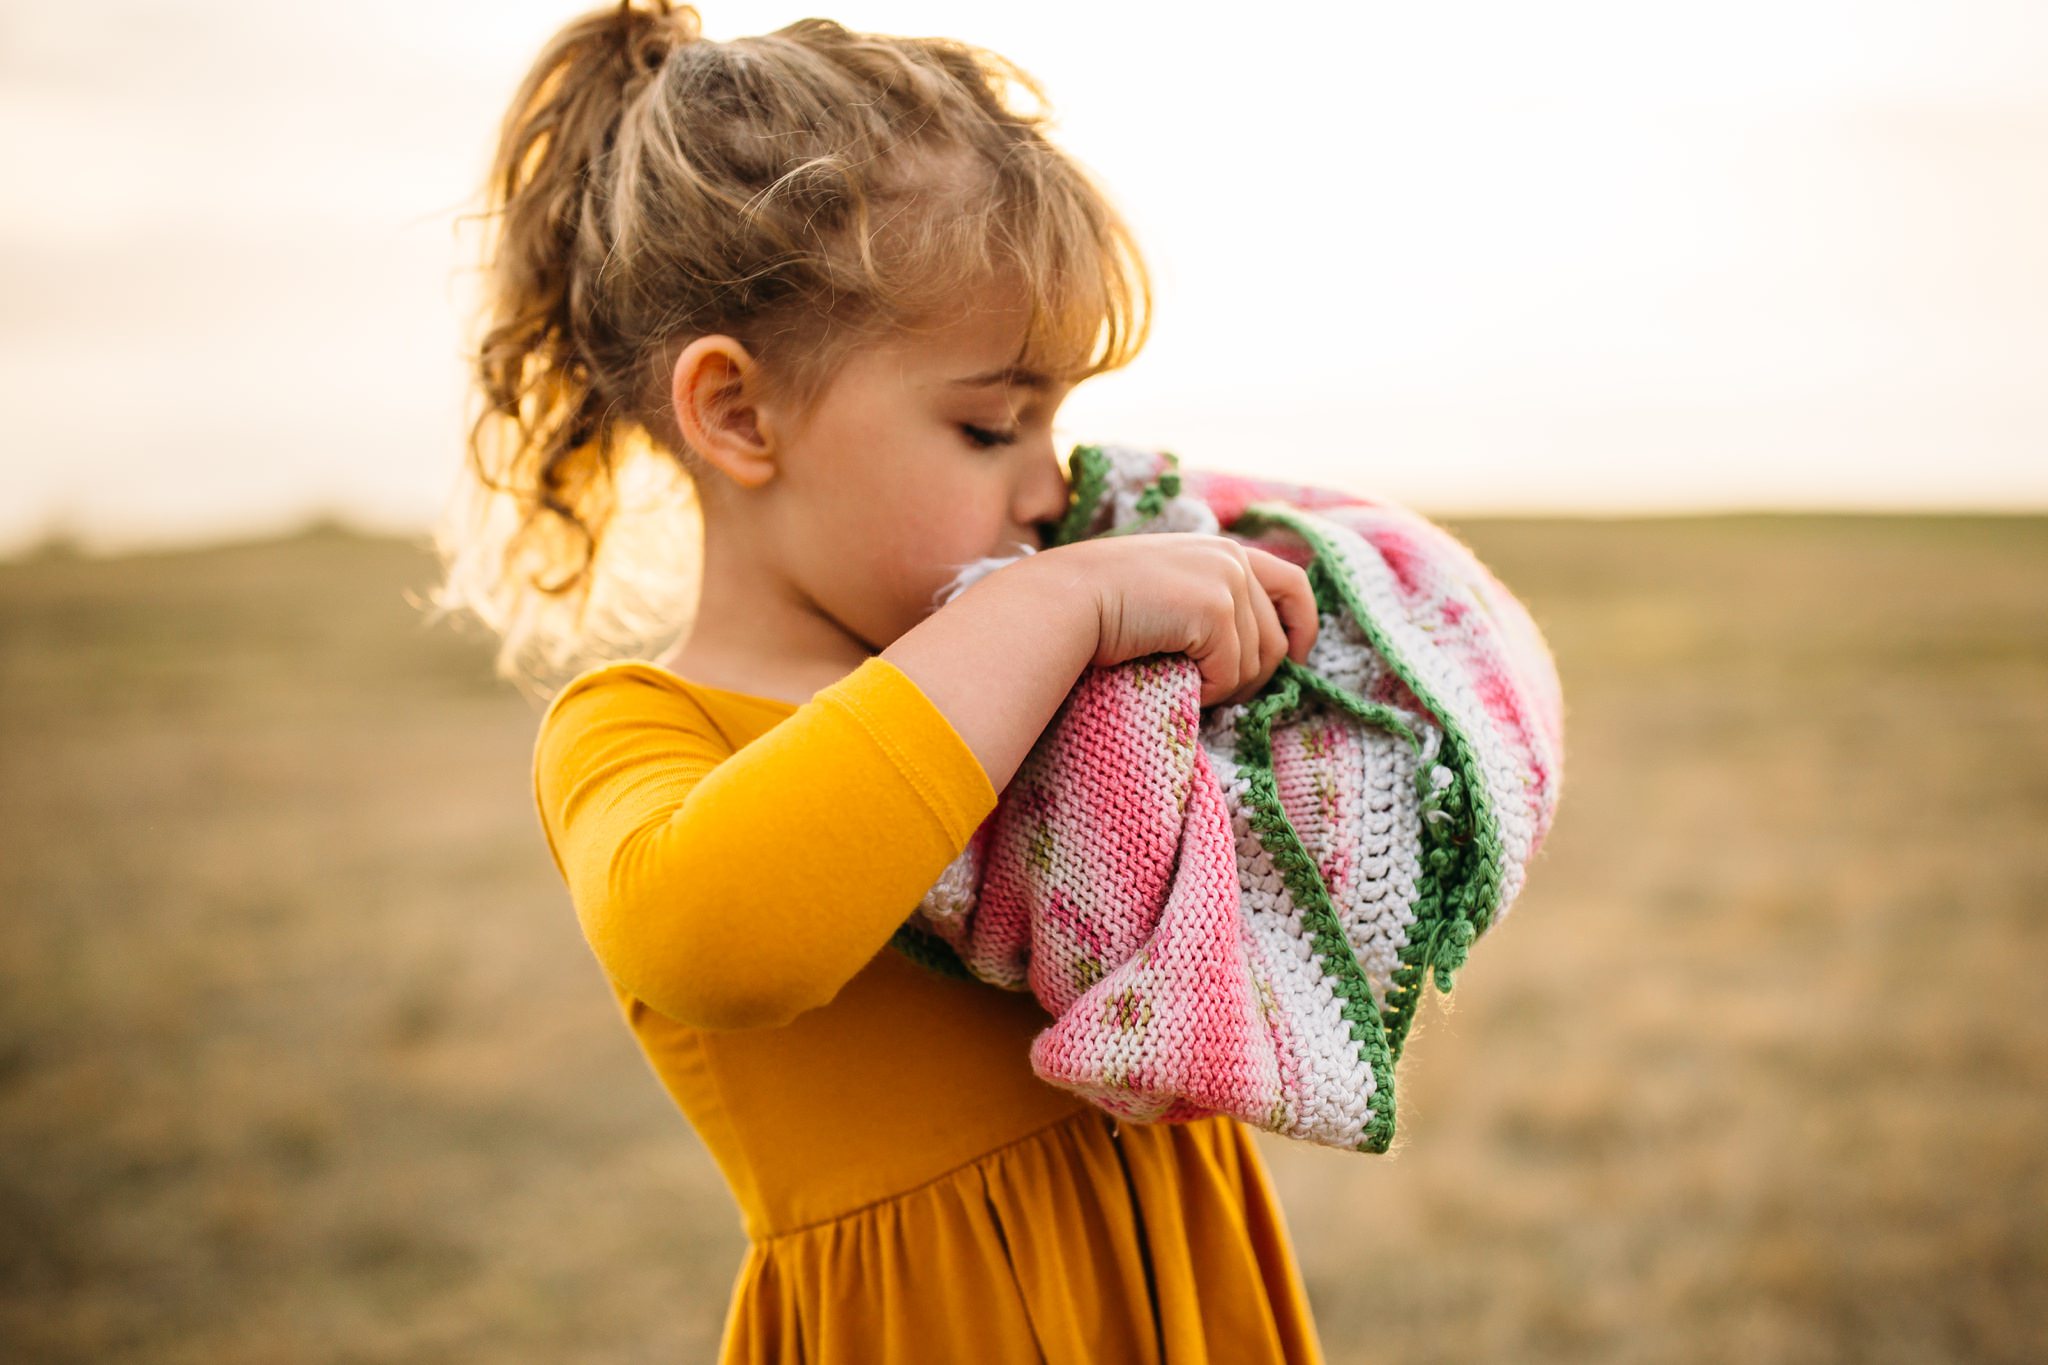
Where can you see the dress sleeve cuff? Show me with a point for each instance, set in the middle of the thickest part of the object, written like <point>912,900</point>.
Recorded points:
<point>920,740</point>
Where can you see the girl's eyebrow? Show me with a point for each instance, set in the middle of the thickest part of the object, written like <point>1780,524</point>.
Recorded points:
<point>1028,379</point>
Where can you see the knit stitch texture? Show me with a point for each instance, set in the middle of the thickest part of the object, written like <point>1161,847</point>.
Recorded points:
<point>1234,909</point>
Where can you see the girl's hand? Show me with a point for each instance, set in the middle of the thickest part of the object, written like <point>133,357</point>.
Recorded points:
<point>1234,608</point>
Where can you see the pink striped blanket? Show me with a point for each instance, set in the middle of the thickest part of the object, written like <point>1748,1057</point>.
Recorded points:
<point>1234,909</point>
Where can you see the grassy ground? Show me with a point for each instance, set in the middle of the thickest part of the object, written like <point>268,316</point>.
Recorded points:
<point>302,1057</point>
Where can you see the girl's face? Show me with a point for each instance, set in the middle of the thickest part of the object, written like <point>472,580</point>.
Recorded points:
<point>918,458</point>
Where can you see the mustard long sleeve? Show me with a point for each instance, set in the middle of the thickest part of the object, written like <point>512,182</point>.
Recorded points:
<point>739,888</point>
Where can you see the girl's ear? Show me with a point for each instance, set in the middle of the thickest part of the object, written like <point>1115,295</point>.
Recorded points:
<point>713,390</point>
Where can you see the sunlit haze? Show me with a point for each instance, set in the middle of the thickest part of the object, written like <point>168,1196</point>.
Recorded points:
<point>1595,257</point>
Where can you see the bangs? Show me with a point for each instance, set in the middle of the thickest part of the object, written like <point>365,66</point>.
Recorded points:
<point>1029,228</point>
<point>1090,300</point>
<point>1086,318</point>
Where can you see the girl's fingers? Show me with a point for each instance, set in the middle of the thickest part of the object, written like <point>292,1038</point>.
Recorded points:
<point>1272,638</point>
<point>1288,586</point>
<point>1246,591</point>
<point>1223,666</point>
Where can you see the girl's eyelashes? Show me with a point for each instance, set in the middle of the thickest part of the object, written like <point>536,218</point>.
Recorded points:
<point>984,438</point>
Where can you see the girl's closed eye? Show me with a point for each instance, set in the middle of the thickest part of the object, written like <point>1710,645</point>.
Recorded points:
<point>984,438</point>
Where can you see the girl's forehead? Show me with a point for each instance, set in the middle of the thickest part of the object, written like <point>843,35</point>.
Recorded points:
<point>983,344</point>
<point>980,347</point>
<point>1003,376</point>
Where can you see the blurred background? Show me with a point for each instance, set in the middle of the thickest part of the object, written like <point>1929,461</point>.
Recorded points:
<point>1720,333</point>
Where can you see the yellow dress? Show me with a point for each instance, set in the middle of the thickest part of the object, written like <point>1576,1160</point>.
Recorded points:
<point>910,1190</point>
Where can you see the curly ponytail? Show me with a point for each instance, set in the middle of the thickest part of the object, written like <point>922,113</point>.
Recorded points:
<point>802,191</point>
<point>536,363</point>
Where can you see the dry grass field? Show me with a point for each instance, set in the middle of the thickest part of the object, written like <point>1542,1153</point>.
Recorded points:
<point>302,1057</point>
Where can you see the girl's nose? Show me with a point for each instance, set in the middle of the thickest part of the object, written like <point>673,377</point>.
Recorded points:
<point>1045,500</point>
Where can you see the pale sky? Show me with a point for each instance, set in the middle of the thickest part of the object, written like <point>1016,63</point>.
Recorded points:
<point>1578,257</point>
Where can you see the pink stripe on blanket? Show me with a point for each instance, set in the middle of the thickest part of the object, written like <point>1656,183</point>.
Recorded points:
<point>1178,1019</point>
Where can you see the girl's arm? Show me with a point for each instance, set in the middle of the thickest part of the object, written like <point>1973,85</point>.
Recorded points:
<point>1000,658</point>
<point>739,889</point>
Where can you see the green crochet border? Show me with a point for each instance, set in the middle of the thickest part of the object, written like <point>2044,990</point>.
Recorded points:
<point>929,950</point>
<point>1087,480</point>
<point>1460,867</point>
<point>1461,861</point>
<point>1283,693</point>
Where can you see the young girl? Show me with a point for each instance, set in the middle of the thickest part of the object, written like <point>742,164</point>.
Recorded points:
<point>844,286</point>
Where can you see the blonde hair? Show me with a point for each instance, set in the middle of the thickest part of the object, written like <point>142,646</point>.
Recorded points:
<point>802,191</point>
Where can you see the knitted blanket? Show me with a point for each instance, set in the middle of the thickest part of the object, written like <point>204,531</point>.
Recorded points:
<point>1234,909</point>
